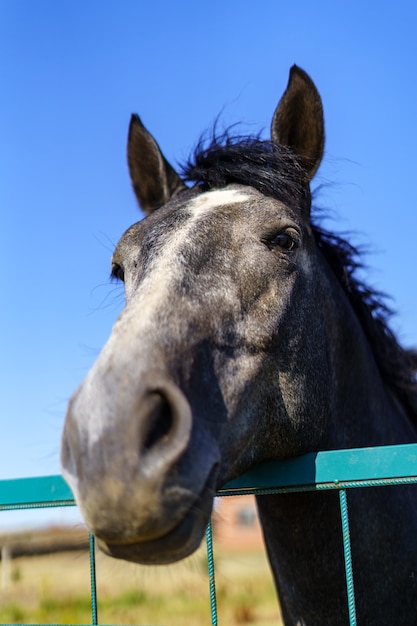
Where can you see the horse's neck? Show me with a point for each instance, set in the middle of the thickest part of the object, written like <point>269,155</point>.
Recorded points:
<point>368,414</point>
<point>303,536</point>
<point>364,411</point>
<point>303,530</point>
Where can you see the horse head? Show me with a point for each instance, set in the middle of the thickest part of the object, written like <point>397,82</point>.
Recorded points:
<point>223,355</point>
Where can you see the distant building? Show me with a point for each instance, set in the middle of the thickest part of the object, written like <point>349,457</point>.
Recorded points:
<point>236,524</point>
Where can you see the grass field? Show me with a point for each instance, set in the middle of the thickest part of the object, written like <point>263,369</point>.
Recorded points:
<point>55,589</point>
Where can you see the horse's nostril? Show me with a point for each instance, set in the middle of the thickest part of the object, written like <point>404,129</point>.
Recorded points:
<point>164,427</point>
<point>159,425</point>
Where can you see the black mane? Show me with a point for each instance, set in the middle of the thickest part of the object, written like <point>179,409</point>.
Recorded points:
<point>275,171</point>
<point>270,168</point>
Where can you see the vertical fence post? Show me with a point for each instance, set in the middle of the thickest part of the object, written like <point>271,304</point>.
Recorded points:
<point>93,582</point>
<point>212,582</point>
<point>348,557</point>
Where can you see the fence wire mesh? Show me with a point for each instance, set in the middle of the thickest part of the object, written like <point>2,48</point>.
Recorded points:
<point>338,470</point>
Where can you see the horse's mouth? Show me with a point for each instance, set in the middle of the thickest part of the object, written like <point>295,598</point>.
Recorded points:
<point>175,545</point>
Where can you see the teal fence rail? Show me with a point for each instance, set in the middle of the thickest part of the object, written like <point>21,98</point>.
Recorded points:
<point>341,470</point>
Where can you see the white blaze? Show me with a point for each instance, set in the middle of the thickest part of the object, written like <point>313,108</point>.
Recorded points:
<point>164,267</point>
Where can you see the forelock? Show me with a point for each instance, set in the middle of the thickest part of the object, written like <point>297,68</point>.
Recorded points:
<point>272,169</point>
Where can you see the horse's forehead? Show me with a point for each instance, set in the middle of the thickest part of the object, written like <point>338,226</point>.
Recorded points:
<point>178,218</point>
<point>209,201</point>
<point>182,213</point>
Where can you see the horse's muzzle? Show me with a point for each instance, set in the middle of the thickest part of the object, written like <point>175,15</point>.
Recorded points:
<point>128,460</point>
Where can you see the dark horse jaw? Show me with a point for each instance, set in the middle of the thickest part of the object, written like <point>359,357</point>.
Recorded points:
<point>175,545</point>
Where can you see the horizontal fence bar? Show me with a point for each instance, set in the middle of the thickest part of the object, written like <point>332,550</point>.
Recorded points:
<point>332,469</point>
<point>38,490</point>
<point>354,467</point>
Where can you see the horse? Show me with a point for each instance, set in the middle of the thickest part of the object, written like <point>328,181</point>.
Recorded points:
<point>246,336</point>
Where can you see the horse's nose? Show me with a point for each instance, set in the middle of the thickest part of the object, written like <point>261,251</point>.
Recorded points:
<point>164,427</point>
<point>120,456</point>
<point>149,429</point>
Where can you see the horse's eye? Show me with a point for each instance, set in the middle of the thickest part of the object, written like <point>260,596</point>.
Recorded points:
<point>117,272</point>
<point>285,241</point>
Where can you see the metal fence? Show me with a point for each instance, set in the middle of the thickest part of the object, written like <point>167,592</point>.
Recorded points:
<point>340,470</point>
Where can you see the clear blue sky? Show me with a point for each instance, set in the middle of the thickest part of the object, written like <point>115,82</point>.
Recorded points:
<point>71,73</point>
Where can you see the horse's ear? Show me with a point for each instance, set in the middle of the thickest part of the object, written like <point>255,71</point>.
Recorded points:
<point>298,121</point>
<point>154,180</point>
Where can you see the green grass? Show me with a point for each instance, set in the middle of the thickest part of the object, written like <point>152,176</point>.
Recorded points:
<point>55,590</point>
<point>12,613</point>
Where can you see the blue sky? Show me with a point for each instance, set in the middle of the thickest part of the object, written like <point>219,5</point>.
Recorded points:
<point>71,73</point>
